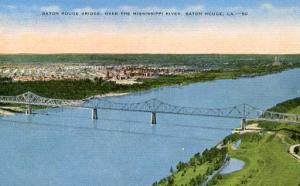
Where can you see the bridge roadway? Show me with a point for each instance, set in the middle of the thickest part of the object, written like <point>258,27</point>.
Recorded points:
<point>153,106</point>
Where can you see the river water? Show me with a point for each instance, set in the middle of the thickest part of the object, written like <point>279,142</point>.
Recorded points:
<point>122,148</point>
<point>232,166</point>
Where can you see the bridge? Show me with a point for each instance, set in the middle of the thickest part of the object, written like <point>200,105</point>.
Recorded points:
<point>153,106</point>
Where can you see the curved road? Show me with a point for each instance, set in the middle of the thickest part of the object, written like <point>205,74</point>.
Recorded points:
<point>292,152</point>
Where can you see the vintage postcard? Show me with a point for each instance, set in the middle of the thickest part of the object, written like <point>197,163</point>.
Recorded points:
<point>141,93</point>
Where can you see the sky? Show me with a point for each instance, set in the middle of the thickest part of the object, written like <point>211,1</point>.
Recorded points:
<point>270,26</point>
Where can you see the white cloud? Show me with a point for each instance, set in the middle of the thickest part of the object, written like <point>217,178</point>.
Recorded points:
<point>127,8</point>
<point>195,8</point>
<point>279,10</point>
<point>51,8</point>
<point>9,7</point>
<point>267,6</point>
<point>85,9</point>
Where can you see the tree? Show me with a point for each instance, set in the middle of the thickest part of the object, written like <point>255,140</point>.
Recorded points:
<point>171,170</point>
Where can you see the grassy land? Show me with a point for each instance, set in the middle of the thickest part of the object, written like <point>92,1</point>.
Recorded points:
<point>184,176</point>
<point>267,163</point>
<point>276,127</point>
<point>267,160</point>
<point>79,89</point>
<point>295,110</point>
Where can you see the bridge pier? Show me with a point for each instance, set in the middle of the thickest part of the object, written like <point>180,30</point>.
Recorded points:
<point>243,124</point>
<point>28,110</point>
<point>153,118</point>
<point>94,114</point>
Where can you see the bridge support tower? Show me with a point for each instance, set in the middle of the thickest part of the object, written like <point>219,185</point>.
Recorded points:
<point>28,110</point>
<point>153,118</point>
<point>243,124</point>
<point>94,114</point>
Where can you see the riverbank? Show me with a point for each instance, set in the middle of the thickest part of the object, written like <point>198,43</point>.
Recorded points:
<point>110,95</point>
<point>196,171</point>
<point>10,110</point>
<point>264,153</point>
<point>5,113</point>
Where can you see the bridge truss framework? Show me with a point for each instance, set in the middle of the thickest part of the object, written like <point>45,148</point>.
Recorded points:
<point>153,106</point>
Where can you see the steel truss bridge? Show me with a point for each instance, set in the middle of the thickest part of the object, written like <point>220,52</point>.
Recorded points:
<point>153,106</point>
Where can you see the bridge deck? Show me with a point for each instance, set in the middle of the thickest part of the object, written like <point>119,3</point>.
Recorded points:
<point>242,111</point>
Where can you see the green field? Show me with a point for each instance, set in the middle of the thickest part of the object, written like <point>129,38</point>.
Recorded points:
<point>267,160</point>
<point>295,110</point>
<point>184,177</point>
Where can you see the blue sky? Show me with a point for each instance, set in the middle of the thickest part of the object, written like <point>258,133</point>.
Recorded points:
<point>266,11</point>
<point>272,26</point>
<point>146,3</point>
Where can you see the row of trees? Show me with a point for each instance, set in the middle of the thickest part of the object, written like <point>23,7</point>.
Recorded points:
<point>194,60</point>
<point>215,158</point>
<point>64,89</point>
<point>5,79</point>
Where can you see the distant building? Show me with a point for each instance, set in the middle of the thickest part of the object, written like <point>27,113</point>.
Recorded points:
<point>276,62</point>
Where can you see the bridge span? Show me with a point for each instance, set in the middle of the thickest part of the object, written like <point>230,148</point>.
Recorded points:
<point>153,106</point>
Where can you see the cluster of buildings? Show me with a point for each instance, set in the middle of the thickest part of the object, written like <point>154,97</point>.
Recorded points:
<point>118,73</point>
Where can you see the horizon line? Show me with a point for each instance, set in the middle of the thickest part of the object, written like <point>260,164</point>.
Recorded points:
<point>70,53</point>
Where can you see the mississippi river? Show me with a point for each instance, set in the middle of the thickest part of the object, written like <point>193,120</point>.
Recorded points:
<point>66,147</point>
